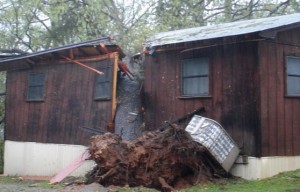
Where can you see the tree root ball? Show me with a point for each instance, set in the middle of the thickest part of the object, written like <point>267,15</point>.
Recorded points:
<point>158,159</point>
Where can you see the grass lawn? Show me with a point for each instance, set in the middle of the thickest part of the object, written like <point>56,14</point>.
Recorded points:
<point>284,182</point>
<point>288,181</point>
<point>28,183</point>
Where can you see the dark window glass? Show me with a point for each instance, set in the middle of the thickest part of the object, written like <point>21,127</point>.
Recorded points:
<point>195,77</point>
<point>293,76</point>
<point>103,84</point>
<point>36,84</point>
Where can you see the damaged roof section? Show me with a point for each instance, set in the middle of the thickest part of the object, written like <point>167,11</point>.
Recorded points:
<point>222,30</point>
<point>96,47</point>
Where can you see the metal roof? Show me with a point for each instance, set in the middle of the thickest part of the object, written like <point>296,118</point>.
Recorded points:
<point>222,30</point>
<point>93,42</point>
<point>80,50</point>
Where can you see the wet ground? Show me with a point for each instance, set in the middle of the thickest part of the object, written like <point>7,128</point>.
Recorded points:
<point>23,184</point>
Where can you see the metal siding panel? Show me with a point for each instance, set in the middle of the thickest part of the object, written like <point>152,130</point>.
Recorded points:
<point>37,159</point>
<point>264,167</point>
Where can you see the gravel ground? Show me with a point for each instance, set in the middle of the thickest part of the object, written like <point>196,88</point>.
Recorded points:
<point>15,187</point>
<point>18,184</point>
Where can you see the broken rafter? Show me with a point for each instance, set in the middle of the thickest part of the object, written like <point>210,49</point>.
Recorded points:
<point>103,48</point>
<point>123,67</point>
<point>83,65</point>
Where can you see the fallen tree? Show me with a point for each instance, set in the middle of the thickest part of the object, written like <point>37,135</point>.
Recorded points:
<point>161,159</point>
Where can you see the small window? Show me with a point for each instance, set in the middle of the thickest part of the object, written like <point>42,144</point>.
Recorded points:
<point>195,80</point>
<point>36,84</point>
<point>103,84</point>
<point>293,76</point>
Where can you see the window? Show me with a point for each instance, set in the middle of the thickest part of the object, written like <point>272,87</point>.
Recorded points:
<point>103,84</point>
<point>195,80</point>
<point>293,76</point>
<point>36,87</point>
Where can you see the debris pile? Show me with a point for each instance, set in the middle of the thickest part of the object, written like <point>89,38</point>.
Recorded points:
<point>163,159</point>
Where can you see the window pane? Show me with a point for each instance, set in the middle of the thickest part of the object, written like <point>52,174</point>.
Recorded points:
<point>195,77</point>
<point>293,67</point>
<point>293,76</point>
<point>35,93</point>
<point>36,86</point>
<point>36,79</point>
<point>102,90</point>
<point>293,85</point>
<point>195,86</point>
<point>105,76</point>
<point>194,67</point>
<point>103,83</point>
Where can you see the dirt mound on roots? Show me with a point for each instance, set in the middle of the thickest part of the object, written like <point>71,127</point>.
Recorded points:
<point>161,159</point>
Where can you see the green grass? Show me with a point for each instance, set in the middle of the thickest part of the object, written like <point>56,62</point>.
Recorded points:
<point>284,182</point>
<point>28,183</point>
<point>46,185</point>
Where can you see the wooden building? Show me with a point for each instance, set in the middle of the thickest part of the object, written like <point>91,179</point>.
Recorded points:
<point>54,97</point>
<point>245,74</point>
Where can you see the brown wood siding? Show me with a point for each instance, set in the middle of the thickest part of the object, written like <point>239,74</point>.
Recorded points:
<point>234,91</point>
<point>280,121</point>
<point>69,104</point>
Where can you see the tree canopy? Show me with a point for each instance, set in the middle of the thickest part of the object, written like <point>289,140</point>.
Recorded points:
<point>33,25</point>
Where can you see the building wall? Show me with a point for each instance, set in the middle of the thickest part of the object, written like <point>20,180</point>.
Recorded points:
<point>264,167</point>
<point>280,120</point>
<point>68,105</point>
<point>40,159</point>
<point>233,85</point>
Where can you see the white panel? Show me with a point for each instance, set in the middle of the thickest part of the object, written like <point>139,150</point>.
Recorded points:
<point>264,167</point>
<point>38,159</point>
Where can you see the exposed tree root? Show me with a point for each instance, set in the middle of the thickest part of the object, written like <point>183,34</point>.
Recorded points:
<point>162,160</point>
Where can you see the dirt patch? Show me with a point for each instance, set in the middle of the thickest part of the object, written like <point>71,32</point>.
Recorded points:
<point>161,159</point>
<point>38,184</point>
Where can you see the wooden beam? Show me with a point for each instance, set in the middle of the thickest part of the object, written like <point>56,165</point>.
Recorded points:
<point>103,48</point>
<point>114,84</point>
<point>86,59</point>
<point>83,65</point>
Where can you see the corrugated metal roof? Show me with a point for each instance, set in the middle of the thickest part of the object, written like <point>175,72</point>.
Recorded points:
<point>105,40</point>
<point>222,30</point>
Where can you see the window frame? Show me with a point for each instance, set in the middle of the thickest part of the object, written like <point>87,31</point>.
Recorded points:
<point>199,95</point>
<point>41,84</point>
<point>287,75</point>
<point>108,75</point>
